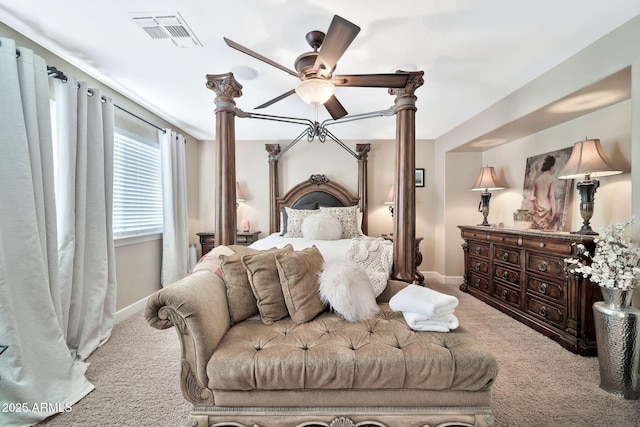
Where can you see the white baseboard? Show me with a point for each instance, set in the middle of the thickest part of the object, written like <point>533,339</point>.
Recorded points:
<point>130,310</point>
<point>448,280</point>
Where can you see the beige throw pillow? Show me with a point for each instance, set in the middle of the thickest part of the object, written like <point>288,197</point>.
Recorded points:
<point>298,273</point>
<point>240,299</point>
<point>265,283</point>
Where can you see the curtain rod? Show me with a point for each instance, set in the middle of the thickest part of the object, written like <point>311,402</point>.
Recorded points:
<point>57,74</point>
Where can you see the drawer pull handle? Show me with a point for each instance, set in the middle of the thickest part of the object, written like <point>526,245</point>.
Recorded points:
<point>505,275</point>
<point>543,266</point>
<point>542,244</point>
<point>477,250</point>
<point>477,282</point>
<point>502,239</point>
<point>505,256</point>
<point>543,288</point>
<point>543,311</point>
<point>504,294</point>
<point>478,266</point>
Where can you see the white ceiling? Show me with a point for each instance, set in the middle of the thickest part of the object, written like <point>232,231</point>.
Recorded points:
<point>473,53</point>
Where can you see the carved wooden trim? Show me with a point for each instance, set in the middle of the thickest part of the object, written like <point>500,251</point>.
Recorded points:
<point>363,183</point>
<point>316,182</point>
<point>344,417</point>
<point>226,89</point>
<point>318,179</point>
<point>274,214</point>
<point>191,388</point>
<point>404,218</point>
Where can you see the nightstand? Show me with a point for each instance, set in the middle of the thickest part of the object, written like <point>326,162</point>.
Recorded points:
<point>419,277</point>
<point>245,238</point>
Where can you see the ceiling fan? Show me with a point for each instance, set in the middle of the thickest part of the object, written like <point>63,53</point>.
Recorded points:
<point>315,69</point>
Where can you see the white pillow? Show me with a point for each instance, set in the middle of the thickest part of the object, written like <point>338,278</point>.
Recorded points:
<point>345,286</point>
<point>321,226</point>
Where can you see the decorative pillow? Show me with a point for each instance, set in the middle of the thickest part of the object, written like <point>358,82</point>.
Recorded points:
<point>347,217</point>
<point>211,261</point>
<point>294,221</point>
<point>240,299</point>
<point>284,217</point>
<point>265,283</point>
<point>298,272</point>
<point>345,286</point>
<point>321,226</point>
<point>375,256</point>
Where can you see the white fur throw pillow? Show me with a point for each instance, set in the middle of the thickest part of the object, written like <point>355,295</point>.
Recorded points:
<point>345,286</point>
<point>321,226</point>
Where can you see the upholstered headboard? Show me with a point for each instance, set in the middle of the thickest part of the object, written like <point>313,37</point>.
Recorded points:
<point>317,189</point>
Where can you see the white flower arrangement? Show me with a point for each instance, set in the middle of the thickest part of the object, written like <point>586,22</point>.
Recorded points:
<point>616,262</point>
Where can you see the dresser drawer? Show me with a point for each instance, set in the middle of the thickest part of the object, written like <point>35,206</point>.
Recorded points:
<point>545,264</point>
<point>507,240</point>
<point>479,265</point>
<point>506,255</point>
<point>475,234</point>
<point>544,288</point>
<point>479,249</point>
<point>507,294</point>
<point>556,316</point>
<point>547,245</point>
<point>508,275</point>
<point>479,282</point>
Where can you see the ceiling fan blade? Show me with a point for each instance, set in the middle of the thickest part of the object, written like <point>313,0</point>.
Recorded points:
<point>256,55</point>
<point>338,38</point>
<point>335,108</point>
<point>391,80</point>
<point>276,99</point>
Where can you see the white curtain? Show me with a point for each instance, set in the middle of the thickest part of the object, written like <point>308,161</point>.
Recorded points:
<point>35,363</point>
<point>175,235</point>
<point>84,200</point>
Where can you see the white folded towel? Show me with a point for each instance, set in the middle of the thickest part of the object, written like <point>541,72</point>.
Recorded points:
<point>425,301</point>
<point>418,322</point>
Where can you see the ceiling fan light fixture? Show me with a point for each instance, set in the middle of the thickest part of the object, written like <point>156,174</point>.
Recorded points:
<point>315,91</point>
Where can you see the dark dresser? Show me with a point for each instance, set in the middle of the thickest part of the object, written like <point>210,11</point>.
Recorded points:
<point>523,274</point>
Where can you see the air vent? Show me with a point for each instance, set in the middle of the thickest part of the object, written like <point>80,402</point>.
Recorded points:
<point>167,27</point>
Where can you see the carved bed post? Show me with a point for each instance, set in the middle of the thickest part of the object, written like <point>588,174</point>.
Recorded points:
<point>404,226</point>
<point>363,153</point>
<point>226,88</point>
<point>274,215</point>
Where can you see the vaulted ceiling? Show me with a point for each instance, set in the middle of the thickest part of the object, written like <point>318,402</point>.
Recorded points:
<point>473,52</point>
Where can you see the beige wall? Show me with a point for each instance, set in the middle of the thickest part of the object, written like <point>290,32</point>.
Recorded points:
<point>617,126</point>
<point>305,159</point>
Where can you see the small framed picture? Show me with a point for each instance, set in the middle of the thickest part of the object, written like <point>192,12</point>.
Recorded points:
<point>419,177</point>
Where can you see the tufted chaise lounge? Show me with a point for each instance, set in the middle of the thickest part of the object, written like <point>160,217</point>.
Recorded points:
<point>325,372</point>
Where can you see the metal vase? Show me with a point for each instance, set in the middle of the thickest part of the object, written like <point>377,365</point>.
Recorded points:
<point>618,341</point>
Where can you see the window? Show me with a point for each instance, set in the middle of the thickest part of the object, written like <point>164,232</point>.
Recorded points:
<point>137,186</point>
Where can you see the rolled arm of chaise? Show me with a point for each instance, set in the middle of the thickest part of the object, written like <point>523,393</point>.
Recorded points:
<point>197,306</point>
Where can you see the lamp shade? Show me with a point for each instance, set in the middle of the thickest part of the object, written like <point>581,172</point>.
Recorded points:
<point>587,159</point>
<point>487,180</point>
<point>240,197</point>
<point>389,200</point>
<point>315,91</point>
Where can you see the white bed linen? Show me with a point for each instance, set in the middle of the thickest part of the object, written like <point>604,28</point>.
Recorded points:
<point>331,250</point>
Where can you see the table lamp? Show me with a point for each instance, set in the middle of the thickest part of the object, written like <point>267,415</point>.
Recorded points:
<point>587,160</point>
<point>487,180</point>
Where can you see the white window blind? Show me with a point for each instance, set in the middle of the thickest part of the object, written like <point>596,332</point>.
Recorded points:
<point>137,186</point>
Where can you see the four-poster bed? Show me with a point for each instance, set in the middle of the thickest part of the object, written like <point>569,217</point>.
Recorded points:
<point>227,88</point>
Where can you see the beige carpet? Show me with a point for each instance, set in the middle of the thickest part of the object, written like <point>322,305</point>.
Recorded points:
<point>136,375</point>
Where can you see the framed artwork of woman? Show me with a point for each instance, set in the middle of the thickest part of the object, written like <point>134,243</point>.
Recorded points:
<point>544,195</point>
